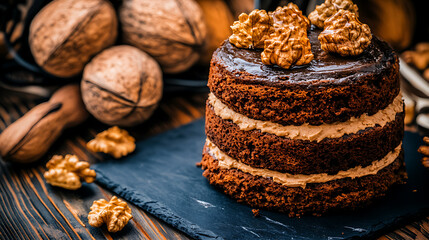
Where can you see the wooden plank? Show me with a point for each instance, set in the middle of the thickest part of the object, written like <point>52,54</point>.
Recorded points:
<point>31,209</point>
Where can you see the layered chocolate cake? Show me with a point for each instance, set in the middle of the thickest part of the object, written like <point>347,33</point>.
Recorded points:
<point>313,138</point>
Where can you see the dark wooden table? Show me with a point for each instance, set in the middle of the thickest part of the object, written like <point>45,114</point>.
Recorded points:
<point>31,209</point>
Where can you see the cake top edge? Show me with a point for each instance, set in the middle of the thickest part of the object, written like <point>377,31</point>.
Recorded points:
<point>283,35</point>
<point>323,69</point>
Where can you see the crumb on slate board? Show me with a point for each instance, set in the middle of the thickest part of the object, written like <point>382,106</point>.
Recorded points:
<point>255,212</point>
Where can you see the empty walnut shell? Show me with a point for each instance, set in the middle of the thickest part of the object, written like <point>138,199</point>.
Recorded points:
<point>171,31</point>
<point>122,86</point>
<point>65,34</point>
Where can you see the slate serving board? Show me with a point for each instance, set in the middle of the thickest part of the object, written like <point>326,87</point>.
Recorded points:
<point>161,178</point>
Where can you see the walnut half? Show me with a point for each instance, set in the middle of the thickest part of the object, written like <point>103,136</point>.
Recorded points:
<point>250,31</point>
<point>329,8</point>
<point>67,172</point>
<point>286,46</point>
<point>290,14</point>
<point>424,149</point>
<point>114,141</point>
<point>419,59</point>
<point>115,214</point>
<point>345,34</point>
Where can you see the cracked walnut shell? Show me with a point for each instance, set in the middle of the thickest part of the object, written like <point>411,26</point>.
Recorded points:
<point>115,214</point>
<point>329,8</point>
<point>287,46</point>
<point>290,14</point>
<point>114,141</point>
<point>345,34</point>
<point>250,31</point>
<point>67,172</point>
<point>65,34</point>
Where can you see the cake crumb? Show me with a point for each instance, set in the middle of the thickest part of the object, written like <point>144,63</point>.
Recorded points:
<point>415,190</point>
<point>198,164</point>
<point>256,212</point>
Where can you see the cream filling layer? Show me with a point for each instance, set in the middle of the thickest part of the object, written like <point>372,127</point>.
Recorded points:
<point>307,131</point>
<point>301,180</point>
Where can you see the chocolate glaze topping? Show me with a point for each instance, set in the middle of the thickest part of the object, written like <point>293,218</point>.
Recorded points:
<point>329,89</point>
<point>325,69</point>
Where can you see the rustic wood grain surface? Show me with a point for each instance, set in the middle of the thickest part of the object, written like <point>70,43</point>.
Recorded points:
<point>31,209</point>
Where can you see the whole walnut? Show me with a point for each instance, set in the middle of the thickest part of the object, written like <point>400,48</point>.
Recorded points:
<point>171,31</point>
<point>65,34</point>
<point>122,86</point>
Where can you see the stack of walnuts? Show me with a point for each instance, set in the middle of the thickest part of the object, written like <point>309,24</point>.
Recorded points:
<point>283,33</point>
<point>121,85</point>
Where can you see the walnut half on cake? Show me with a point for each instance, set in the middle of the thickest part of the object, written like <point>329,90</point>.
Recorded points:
<point>309,139</point>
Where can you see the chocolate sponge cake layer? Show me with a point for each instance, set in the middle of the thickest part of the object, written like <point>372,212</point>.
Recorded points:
<point>265,150</point>
<point>329,89</point>
<point>316,199</point>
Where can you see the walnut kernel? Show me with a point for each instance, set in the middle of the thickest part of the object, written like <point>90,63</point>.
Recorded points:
<point>426,74</point>
<point>329,8</point>
<point>115,214</point>
<point>424,149</point>
<point>67,172</point>
<point>287,46</point>
<point>292,5</point>
<point>419,59</point>
<point>256,212</point>
<point>250,31</point>
<point>345,34</point>
<point>290,14</point>
<point>114,141</point>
